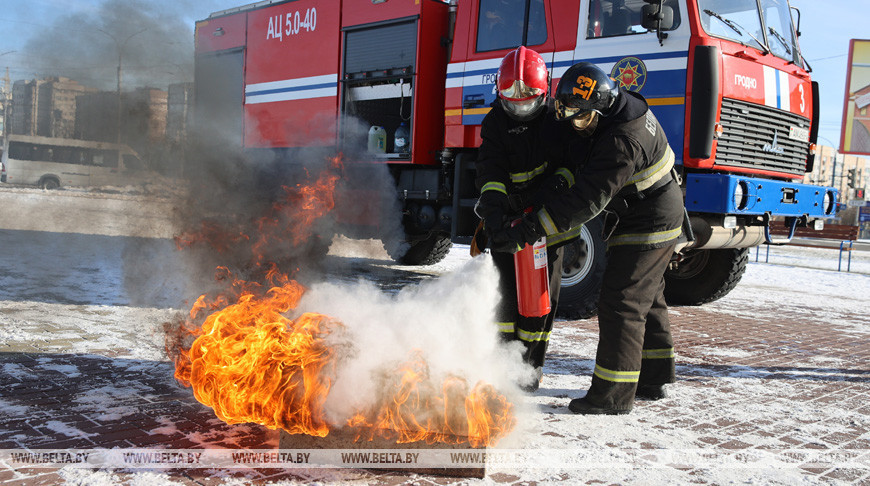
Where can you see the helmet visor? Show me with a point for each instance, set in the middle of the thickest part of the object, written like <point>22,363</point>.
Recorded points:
<point>519,91</point>
<point>584,121</point>
<point>523,109</point>
<point>565,112</point>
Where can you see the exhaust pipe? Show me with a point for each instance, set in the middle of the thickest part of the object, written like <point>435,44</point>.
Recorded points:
<point>710,233</point>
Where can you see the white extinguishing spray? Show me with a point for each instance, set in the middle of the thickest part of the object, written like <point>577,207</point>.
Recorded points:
<point>532,276</point>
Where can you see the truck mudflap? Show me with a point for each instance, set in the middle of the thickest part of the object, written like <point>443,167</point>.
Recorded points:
<point>736,194</point>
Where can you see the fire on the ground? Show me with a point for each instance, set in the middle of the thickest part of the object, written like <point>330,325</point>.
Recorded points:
<point>245,358</point>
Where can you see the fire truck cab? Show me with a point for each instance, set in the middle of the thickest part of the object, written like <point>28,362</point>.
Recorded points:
<point>724,77</point>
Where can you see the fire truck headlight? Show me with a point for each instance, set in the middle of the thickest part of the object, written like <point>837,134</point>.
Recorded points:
<point>741,195</point>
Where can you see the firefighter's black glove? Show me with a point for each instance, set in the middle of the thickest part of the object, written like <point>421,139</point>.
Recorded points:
<point>555,183</point>
<point>493,208</point>
<point>551,188</point>
<point>526,230</point>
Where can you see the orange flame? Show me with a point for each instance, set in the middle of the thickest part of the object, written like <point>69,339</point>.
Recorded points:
<point>413,409</point>
<point>251,363</point>
<point>290,219</point>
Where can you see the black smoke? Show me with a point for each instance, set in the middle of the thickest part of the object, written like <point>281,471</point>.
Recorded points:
<point>154,39</point>
<point>224,186</point>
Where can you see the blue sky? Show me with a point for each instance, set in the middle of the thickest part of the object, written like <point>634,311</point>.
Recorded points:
<point>65,36</point>
<point>826,28</point>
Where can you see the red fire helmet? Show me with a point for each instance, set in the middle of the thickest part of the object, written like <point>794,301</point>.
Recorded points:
<point>522,83</point>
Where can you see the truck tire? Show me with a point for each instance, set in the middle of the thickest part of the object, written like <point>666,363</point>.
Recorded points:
<point>582,271</point>
<point>49,183</point>
<point>705,276</point>
<point>426,252</point>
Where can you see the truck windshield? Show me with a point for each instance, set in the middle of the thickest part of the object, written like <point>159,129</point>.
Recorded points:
<point>769,30</point>
<point>780,33</point>
<point>738,20</point>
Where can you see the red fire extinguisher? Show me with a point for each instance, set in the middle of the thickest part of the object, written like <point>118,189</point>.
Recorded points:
<point>533,281</point>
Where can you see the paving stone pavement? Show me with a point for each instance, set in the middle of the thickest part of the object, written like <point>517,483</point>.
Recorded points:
<point>53,400</point>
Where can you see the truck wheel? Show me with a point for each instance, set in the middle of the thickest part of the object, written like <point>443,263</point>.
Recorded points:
<point>705,275</point>
<point>582,271</point>
<point>426,252</point>
<point>49,183</point>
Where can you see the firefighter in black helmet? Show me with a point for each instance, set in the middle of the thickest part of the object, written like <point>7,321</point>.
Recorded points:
<point>518,161</point>
<point>625,169</point>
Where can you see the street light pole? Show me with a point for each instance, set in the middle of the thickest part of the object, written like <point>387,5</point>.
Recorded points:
<point>833,162</point>
<point>120,46</point>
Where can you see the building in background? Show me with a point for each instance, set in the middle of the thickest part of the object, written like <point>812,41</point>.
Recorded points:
<point>848,173</point>
<point>22,120</point>
<point>62,108</point>
<point>45,107</point>
<point>96,117</point>
<point>143,117</point>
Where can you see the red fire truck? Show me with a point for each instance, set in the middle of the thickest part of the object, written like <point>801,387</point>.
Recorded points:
<point>724,77</point>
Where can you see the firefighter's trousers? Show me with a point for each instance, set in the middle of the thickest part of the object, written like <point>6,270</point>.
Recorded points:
<point>533,332</point>
<point>635,344</point>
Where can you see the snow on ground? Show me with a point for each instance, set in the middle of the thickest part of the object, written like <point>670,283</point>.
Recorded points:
<point>93,314</point>
<point>133,332</point>
<point>801,281</point>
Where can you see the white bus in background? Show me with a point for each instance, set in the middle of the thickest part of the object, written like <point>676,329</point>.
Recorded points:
<point>51,163</point>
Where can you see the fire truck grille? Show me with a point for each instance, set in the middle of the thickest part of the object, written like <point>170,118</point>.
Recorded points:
<point>758,137</point>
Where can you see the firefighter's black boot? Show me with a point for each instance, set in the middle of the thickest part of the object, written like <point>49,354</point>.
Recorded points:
<point>650,392</point>
<point>532,386</point>
<point>583,407</point>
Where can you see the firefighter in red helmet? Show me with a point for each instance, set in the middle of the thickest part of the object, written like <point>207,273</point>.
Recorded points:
<point>624,168</point>
<point>519,161</point>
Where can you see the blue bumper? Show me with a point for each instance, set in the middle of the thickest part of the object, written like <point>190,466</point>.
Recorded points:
<point>732,194</point>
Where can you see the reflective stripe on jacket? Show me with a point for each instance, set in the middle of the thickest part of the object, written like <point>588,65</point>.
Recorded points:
<point>517,158</point>
<point>625,168</point>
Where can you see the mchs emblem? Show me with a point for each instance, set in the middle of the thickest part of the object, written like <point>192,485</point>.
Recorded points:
<point>630,72</point>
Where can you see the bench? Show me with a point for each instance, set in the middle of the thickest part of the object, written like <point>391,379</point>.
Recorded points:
<point>836,236</point>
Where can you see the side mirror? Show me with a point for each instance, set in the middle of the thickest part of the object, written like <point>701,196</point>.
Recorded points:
<point>653,20</point>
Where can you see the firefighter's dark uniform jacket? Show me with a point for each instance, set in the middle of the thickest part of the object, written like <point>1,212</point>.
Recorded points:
<point>625,168</point>
<point>516,163</point>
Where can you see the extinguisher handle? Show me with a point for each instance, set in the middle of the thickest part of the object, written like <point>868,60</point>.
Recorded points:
<point>517,221</point>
